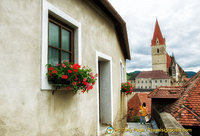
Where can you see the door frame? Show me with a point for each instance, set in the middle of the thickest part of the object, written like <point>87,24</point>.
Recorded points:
<point>103,56</point>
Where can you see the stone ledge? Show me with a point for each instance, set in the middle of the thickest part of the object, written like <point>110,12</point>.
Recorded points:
<point>170,123</point>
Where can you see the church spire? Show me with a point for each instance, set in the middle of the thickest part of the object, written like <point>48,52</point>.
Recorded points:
<point>157,36</point>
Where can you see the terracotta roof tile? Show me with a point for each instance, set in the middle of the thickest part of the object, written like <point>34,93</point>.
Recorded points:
<point>155,74</point>
<point>186,109</point>
<point>172,92</point>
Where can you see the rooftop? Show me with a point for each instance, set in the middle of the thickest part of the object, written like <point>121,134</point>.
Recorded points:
<point>186,109</point>
<point>155,74</point>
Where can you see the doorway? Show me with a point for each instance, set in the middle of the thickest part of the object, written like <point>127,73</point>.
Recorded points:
<point>104,91</point>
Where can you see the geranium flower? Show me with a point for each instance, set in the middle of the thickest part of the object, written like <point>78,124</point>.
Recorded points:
<point>85,83</point>
<point>91,74</point>
<point>70,71</point>
<point>51,68</point>
<point>64,76</point>
<point>92,77</point>
<point>50,74</point>
<point>73,83</point>
<point>55,72</point>
<point>90,87</point>
<point>63,65</point>
<point>83,91</point>
<point>76,66</point>
<point>75,70</point>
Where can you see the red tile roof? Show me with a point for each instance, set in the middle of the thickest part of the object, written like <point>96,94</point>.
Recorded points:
<point>157,34</point>
<point>168,60</point>
<point>136,101</point>
<point>172,92</point>
<point>155,74</point>
<point>186,109</point>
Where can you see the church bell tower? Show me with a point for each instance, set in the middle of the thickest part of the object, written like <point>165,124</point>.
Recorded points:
<point>158,50</point>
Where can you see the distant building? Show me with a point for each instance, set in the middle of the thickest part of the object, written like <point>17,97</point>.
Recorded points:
<point>161,60</point>
<point>152,79</point>
<point>182,102</point>
<point>132,78</point>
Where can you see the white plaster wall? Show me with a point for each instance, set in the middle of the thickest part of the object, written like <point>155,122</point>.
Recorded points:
<point>27,110</point>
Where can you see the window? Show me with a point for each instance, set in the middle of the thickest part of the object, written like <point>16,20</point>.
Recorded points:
<point>165,81</point>
<point>149,86</point>
<point>155,81</point>
<point>141,86</point>
<point>142,81</point>
<point>138,81</point>
<point>60,42</point>
<point>145,87</point>
<point>145,81</point>
<point>160,81</point>
<point>49,9</point>
<point>150,81</point>
<point>158,50</point>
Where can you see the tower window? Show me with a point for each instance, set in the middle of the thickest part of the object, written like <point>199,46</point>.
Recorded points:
<point>158,51</point>
<point>157,41</point>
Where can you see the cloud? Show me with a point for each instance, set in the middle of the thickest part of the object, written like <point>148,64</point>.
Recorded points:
<point>179,23</point>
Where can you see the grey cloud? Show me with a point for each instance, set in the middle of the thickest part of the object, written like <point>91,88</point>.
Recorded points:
<point>179,23</point>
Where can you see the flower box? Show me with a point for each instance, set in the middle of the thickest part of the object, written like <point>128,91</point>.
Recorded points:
<point>127,88</point>
<point>71,76</point>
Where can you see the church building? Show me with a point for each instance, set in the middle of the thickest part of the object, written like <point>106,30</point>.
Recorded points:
<point>161,60</point>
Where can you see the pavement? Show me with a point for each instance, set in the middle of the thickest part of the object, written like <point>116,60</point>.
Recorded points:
<point>137,129</point>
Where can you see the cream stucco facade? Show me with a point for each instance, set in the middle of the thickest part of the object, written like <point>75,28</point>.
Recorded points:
<point>27,105</point>
<point>149,83</point>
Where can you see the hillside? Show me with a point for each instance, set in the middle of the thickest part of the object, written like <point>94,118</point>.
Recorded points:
<point>190,74</point>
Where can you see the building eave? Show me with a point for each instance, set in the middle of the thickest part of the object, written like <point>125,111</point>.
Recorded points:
<point>120,25</point>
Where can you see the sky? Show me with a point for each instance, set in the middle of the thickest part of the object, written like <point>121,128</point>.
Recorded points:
<point>179,21</point>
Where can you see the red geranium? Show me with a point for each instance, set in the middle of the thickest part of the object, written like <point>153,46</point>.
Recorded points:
<point>64,76</point>
<point>75,70</point>
<point>51,68</point>
<point>71,76</point>
<point>70,71</point>
<point>55,72</point>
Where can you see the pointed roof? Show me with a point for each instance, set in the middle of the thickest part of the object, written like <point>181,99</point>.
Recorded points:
<point>157,34</point>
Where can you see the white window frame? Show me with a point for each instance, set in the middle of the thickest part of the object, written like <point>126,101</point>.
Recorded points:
<point>48,8</point>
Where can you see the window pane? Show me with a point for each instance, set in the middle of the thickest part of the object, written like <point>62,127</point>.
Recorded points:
<point>65,40</point>
<point>65,56</point>
<point>53,56</point>
<point>54,35</point>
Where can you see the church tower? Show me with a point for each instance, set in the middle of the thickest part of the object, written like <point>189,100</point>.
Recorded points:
<point>158,50</point>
